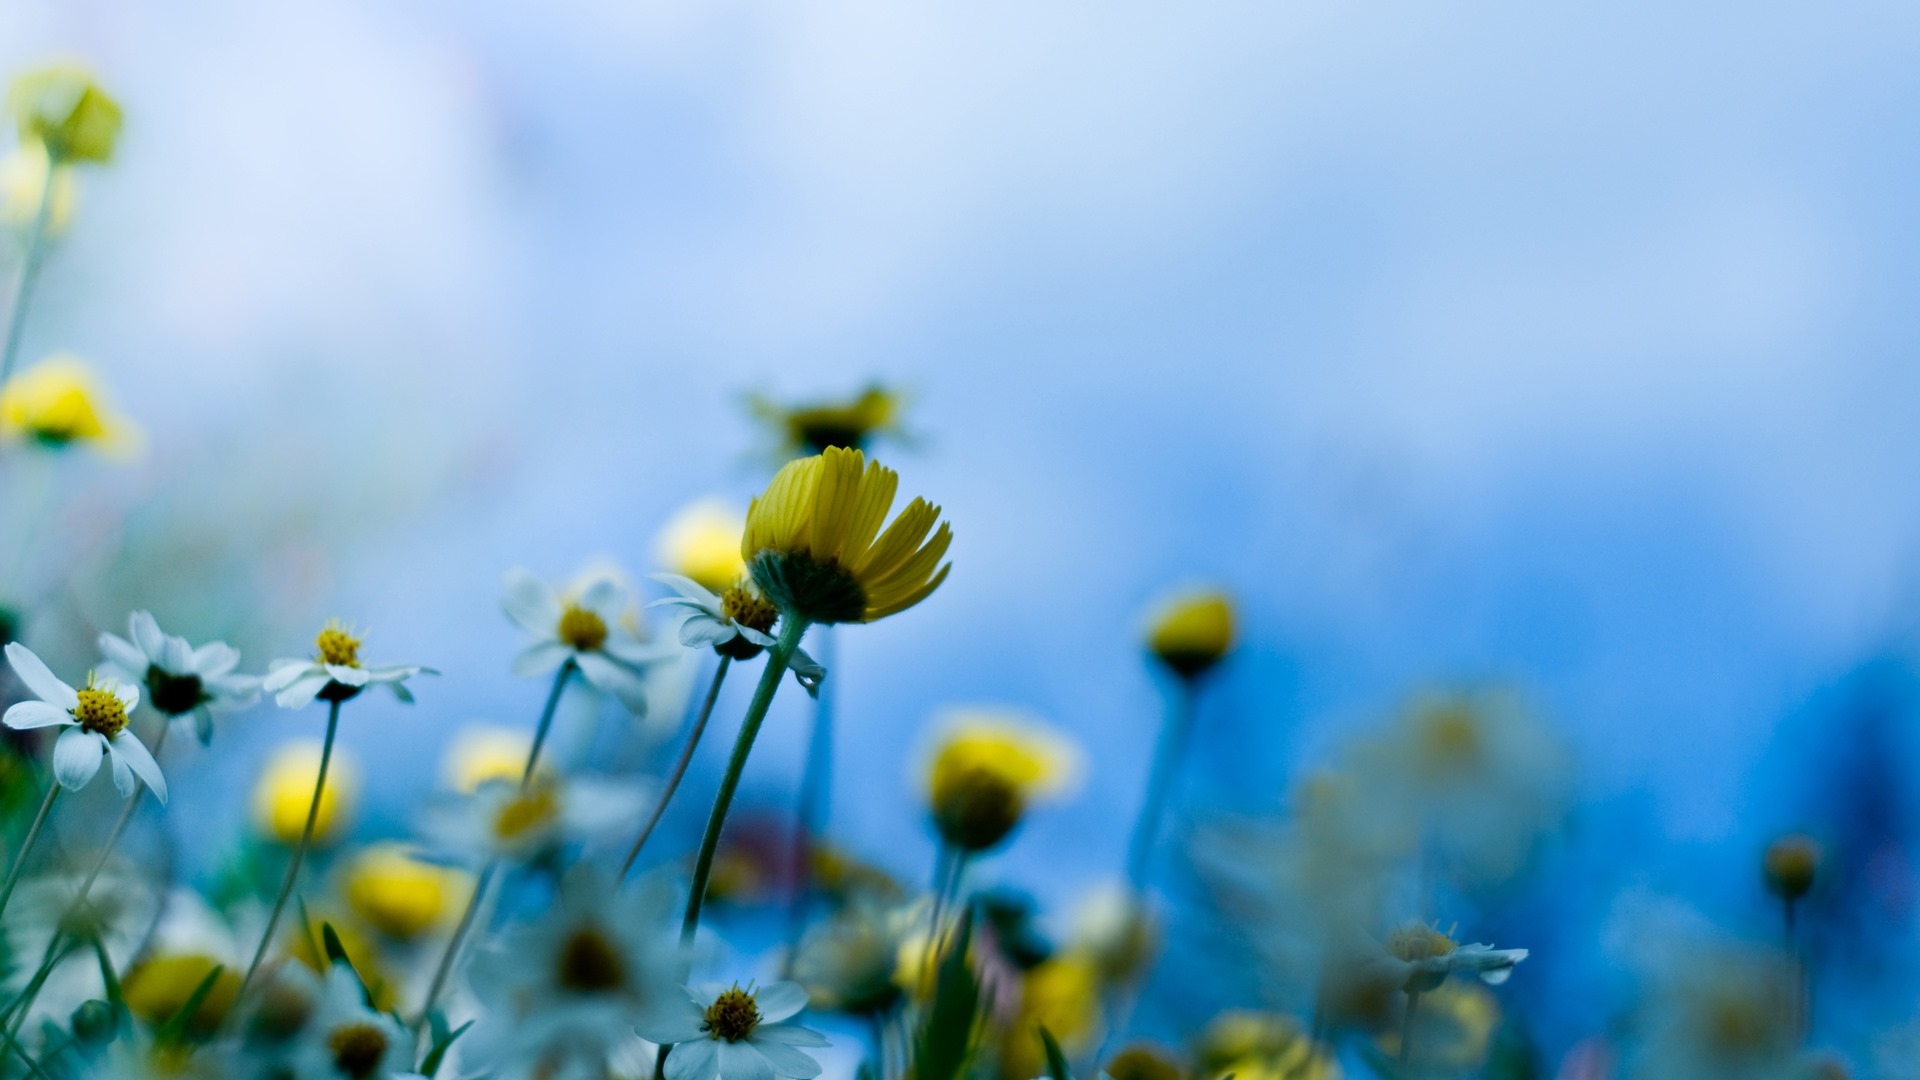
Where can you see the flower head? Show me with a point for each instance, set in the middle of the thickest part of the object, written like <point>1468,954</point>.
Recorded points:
<point>846,424</point>
<point>702,542</point>
<point>481,754</point>
<point>95,718</point>
<point>814,546</point>
<point>504,819</point>
<point>284,792</point>
<point>735,1033</point>
<point>736,623</point>
<point>182,682</point>
<point>1428,956</point>
<point>1063,994</point>
<point>1192,632</point>
<point>335,673</point>
<point>1789,866</point>
<point>1260,1046</point>
<point>347,1039</point>
<point>987,768</point>
<point>398,894</point>
<point>586,627</point>
<point>849,962</point>
<point>57,402</point>
<point>61,106</point>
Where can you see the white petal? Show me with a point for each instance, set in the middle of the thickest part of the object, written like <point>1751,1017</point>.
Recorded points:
<point>123,779</point>
<point>38,679</point>
<point>348,676</point>
<point>786,1060</point>
<point>76,756</point>
<point>606,599</point>
<point>790,1034</point>
<point>36,714</point>
<point>777,1001</point>
<point>700,631</point>
<point>530,602</point>
<point>203,725</point>
<point>121,654</point>
<point>616,679</point>
<point>147,635</point>
<point>679,1022</point>
<point>688,589</point>
<point>765,641</point>
<point>215,659</point>
<point>129,695</point>
<point>177,656</point>
<point>742,1061</point>
<point>540,658</point>
<point>301,691</point>
<point>284,673</point>
<point>128,748</point>
<point>695,1059</point>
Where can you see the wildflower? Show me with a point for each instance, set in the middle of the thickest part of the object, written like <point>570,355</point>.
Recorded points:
<point>736,623</point>
<point>480,754</point>
<point>27,176</point>
<point>1061,994</point>
<point>62,107</point>
<point>585,629</point>
<point>398,894</point>
<point>503,819</point>
<point>284,793</point>
<point>162,983</point>
<point>181,681</point>
<point>1430,956</point>
<point>1192,632</point>
<point>335,674</point>
<point>1260,1046</point>
<point>118,911</point>
<point>96,721</point>
<point>1718,1009</point>
<point>814,546</point>
<point>986,770</point>
<point>815,427</point>
<point>1789,866</point>
<point>57,403</point>
<point>848,962</point>
<point>347,1039</point>
<point>702,542</point>
<point>736,1034</point>
<point>1452,1031</point>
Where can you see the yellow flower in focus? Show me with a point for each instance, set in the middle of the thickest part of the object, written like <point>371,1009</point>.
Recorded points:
<point>24,179</point>
<point>158,988</point>
<point>1452,1030</point>
<point>480,754</point>
<point>702,542</point>
<point>1062,994</point>
<point>1192,632</point>
<point>987,768</point>
<point>814,546</point>
<point>285,790</point>
<point>815,427</point>
<point>62,106</point>
<point>57,402</point>
<point>397,894</point>
<point>1264,1046</point>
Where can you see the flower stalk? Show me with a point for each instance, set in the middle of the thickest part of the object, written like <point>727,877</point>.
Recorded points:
<point>29,270</point>
<point>299,855</point>
<point>1168,756</point>
<point>810,813</point>
<point>679,768</point>
<point>26,845</point>
<point>546,718</point>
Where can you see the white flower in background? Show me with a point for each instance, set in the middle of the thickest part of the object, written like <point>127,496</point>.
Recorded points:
<point>347,1040</point>
<point>500,819</point>
<point>588,628</point>
<point>335,673</point>
<point>96,721</point>
<point>566,991</point>
<point>736,1034</point>
<point>735,623</point>
<point>181,681</point>
<point>1426,957</point>
<point>119,913</point>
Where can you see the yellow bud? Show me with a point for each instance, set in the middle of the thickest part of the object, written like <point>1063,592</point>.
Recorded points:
<point>1790,864</point>
<point>702,542</point>
<point>57,402</point>
<point>985,771</point>
<point>63,107</point>
<point>397,894</point>
<point>285,791</point>
<point>1192,632</point>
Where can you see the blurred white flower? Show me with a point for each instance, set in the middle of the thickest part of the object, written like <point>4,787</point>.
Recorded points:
<point>588,628</point>
<point>347,1040</point>
<point>735,1034</point>
<point>734,623</point>
<point>96,721</point>
<point>335,673</point>
<point>501,819</point>
<point>182,681</point>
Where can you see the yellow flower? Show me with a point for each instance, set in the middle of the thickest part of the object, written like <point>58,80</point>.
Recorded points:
<point>158,988</point>
<point>702,542</point>
<point>987,768</point>
<point>57,402</point>
<point>1063,995</point>
<point>285,789</point>
<point>480,754</point>
<point>1452,1030</point>
<point>62,106</point>
<point>814,545</point>
<point>1192,632</point>
<point>310,949</point>
<point>397,894</point>
<point>817,426</point>
<point>1143,1061</point>
<point>24,179</point>
<point>1259,1045</point>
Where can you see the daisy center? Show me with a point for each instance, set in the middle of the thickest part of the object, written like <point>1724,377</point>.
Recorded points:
<point>590,964</point>
<point>748,608</point>
<point>1418,942</point>
<point>525,813</point>
<point>174,694</point>
<point>581,629</point>
<point>732,1016</point>
<point>100,711</point>
<point>337,648</point>
<point>357,1049</point>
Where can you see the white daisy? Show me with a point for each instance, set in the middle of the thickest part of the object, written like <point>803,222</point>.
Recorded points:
<point>735,623</point>
<point>335,673</point>
<point>736,1034</point>
<point>347,1040</point>
<point>181,681</point>
<point>501,819</point>
<point>587,628</point>
<point>96,722</point>
<point>1425,957</point>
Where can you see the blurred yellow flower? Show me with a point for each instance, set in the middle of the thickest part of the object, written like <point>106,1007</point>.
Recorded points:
<point>398,894</point>
<point>1260,1045</point>
<point>814,545</point>
<point>285,790</point>
<point>1452,1030</point>
<point>310,949</point>
<point>1789,866</point>
<point>24,178</point>
<point>480,754</point>
<point>987,767</point>
<point>62,106</point>
<point>1063,995</point>
<point>1142,1061</point>
<point>158,988</point>
<point>1191,632</point>
<point>702,542</point>
<point>814,427</point>
<point>57,402</point>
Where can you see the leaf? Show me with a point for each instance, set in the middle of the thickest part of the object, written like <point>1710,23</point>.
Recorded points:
<point>946,1040</point>
<point>431,1063</point>
<point>175,1029</point>
<point>1056,1061</point>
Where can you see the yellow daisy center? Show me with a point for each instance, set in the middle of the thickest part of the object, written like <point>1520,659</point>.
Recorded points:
<point>748,608</point>
<point>525,813</point>
<point>100,711</point>
<point>357,1049</point>
<point>581,629</point>
<point>590,964</point>
<point>732,1016</point>
<point>336,647</point>
<point>1419,942</point>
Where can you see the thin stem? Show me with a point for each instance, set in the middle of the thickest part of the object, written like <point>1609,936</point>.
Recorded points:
<point>950,866</point>
<point>546,719</point>
<point>810,816</point>
<point>1406,1031</point>
<point>299,855</point>
<point>791,630</point>
<point>26,846</point>
<point>679,767</point>
<point>1167,757</point>
<point>29,269</point>
<point>445,967</point>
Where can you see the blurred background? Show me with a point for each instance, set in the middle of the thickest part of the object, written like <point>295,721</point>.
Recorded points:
<point>1564,348</point>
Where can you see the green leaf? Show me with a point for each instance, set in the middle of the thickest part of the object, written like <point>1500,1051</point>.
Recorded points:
<point>175,1029</point>
<point>1056,1061</point>
<point>431,1063</point>
<point>946,1040</point>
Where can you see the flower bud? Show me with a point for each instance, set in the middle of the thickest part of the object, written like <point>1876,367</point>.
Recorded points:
<point>93,1022</point>
<point>1789,866</point>
<point>1192,632</point>
<point>62,107</point>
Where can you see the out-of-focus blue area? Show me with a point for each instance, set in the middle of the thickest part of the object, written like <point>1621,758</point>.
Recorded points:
<point>1567,346</point>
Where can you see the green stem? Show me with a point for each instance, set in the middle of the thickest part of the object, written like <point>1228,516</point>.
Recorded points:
<point>679,768</point>
<point>546,719</point>
<point>791,630</point>
<point>445,968</point>
<point>299,855</point>
<point>1172,750</point>
<point>29,269</point>
<point>26,846</point>
<point>810,816</point>
<point>1406,1032</point>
